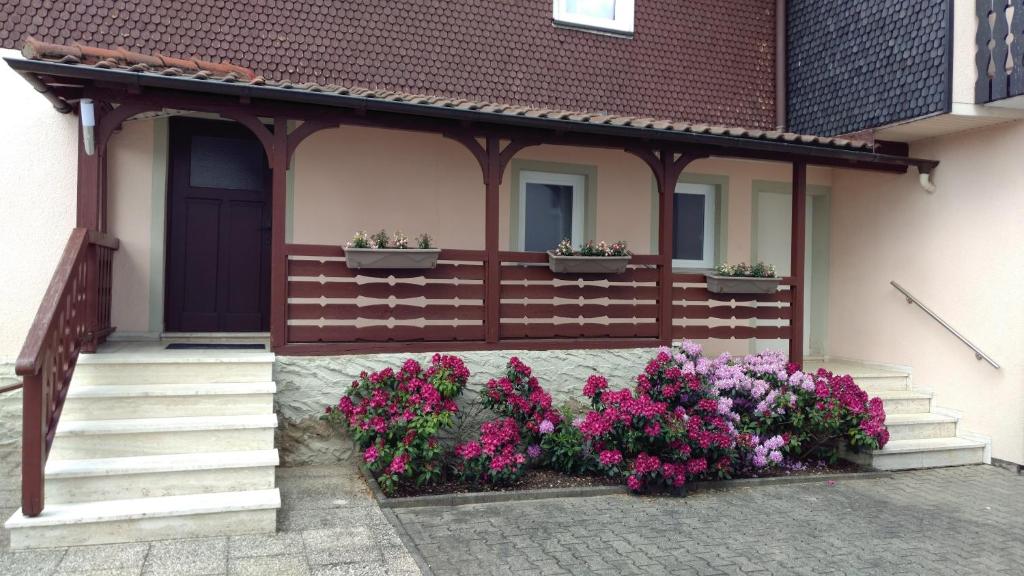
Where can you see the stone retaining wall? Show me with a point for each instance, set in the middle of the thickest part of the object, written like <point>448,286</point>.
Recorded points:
<point>305,385</point>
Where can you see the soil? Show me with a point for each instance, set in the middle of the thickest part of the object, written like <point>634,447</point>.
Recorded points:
<point>537,479</point>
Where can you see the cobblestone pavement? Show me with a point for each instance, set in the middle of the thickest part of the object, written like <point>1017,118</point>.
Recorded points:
<point>966,520</point>
<point>328,525</point>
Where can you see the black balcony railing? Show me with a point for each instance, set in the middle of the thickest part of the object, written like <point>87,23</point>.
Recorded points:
<point>1000,50</point>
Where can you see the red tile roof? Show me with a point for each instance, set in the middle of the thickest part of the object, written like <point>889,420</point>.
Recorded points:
<point>127,60</point>
<point>702,61</point>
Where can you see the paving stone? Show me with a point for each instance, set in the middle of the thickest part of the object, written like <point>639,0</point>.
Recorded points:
<point>288,565</point>
<point>196,557</point>
<point>116,558</point>
<point>967,520</point>
<point>265,544</point>
<point>34,562</point>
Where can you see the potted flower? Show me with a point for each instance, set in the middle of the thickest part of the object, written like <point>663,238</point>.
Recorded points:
<point>743,278</point>
<point>591,258</point>
<point>381,251</point>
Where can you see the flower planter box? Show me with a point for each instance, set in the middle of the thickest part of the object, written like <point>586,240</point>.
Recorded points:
<point>587,264</point>
<point>741,285</point>
<point>391,258</point>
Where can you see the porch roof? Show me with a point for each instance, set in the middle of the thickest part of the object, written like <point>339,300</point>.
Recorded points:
<point>62,73</point>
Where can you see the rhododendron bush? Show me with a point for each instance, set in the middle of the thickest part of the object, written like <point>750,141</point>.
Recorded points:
<point>395,417</point>
<point>684,417</point>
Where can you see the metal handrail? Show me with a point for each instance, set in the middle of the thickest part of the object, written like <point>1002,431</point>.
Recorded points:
<point>913,300</point>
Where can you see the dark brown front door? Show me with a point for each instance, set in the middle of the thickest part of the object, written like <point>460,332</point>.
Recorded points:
<point>218,244</point>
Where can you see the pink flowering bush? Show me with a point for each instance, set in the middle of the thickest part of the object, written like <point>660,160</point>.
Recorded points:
<point>669,428</point>
<point>790,416</point>
<point>519,395</point>
<point>395,417</point>
<point>496,458</point>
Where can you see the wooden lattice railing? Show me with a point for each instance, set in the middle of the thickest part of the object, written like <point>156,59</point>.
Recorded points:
<point>74,316</point>
<point>334,310</point>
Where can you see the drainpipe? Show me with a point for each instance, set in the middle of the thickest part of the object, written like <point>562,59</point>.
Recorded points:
<point>780,65</point>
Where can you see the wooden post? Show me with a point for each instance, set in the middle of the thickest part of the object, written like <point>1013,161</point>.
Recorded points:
<point>90,214</point>
<point>492,295</point>
<point>665,178</point>
<point>33,445</point>
<point>666,168</point>
<point>797,252</point>
<point>278,258</point>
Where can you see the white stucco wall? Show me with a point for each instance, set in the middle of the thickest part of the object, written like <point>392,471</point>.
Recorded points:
<point>38,165</point>
<point>959,251</point>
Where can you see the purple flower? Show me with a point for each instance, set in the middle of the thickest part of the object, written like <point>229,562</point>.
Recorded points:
<point>546,427</point>
<point>533,451</point>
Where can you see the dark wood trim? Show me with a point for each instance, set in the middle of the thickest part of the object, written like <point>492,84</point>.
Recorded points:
<point>278,153</point>
<point>798,248</point>
<point>337,349</point>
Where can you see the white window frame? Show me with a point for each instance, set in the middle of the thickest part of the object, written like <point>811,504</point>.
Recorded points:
<point>622,23</point>
<point>578,183</point>
<point>709,191</point>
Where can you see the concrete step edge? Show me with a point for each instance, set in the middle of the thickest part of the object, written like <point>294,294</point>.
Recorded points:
<point>59,469</point>
<point>171,390</point>
<point>154,425</point>
<point>139,508</point>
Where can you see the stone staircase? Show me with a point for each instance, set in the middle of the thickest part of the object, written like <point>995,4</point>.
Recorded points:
<point>156,444</point>
<point>918,436</point>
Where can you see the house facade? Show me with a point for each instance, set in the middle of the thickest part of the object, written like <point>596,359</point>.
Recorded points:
<point>204,167</point>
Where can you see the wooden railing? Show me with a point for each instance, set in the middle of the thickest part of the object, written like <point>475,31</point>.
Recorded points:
<point>327,302</point>
<point>73,317</point>
<point>334,310</point>
<point>699,314</point>
<point>999,50</point>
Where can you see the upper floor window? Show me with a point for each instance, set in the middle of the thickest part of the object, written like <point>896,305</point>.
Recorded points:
<point>609,15</point>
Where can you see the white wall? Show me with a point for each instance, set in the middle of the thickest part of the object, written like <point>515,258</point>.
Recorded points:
<point>38,164</point>
<point>959,251</point>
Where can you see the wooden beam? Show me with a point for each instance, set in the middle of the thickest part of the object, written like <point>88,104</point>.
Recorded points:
<point>278,154</point>
<point>797,253</point>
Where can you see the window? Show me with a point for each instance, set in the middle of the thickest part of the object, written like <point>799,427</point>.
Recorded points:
<point>611,15</point>
<point>551,209</point>
<point>693,230</point>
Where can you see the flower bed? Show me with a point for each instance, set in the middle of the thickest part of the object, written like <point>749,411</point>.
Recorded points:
<point>685,417</point>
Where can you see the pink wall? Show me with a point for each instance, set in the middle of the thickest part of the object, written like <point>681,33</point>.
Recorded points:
<point>959,251</point>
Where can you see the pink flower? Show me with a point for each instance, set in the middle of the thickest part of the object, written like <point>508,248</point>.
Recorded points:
<point>398,464</point>
<point>370,454</point>
<point>468,451</point>
<point>595,385</point>
<point>610,457</point>
<point>634,483</point>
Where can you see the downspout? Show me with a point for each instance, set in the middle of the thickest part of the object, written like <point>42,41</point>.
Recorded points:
<point>58,104</point>
<point>780,65</point>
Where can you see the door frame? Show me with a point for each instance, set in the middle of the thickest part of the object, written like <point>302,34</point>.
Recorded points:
<point>817,256</point>
<point>178,128</point>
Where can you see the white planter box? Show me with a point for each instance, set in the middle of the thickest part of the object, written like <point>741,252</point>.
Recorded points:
<point>391,258</point>
<point>741,285</point>
<point>587,264</point>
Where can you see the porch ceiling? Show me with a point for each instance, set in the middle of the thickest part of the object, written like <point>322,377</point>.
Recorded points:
<point>65,74</point>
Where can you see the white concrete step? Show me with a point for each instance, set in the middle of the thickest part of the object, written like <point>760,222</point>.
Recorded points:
<point>174,367</point>
<point>111,402</point>
<point>872,379</point>
<point>921,426</point>
<point>89,439</point>
<point>70,481</point>
<point>928,453</point>
<point>905,401</point>
<point>143,519</point>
